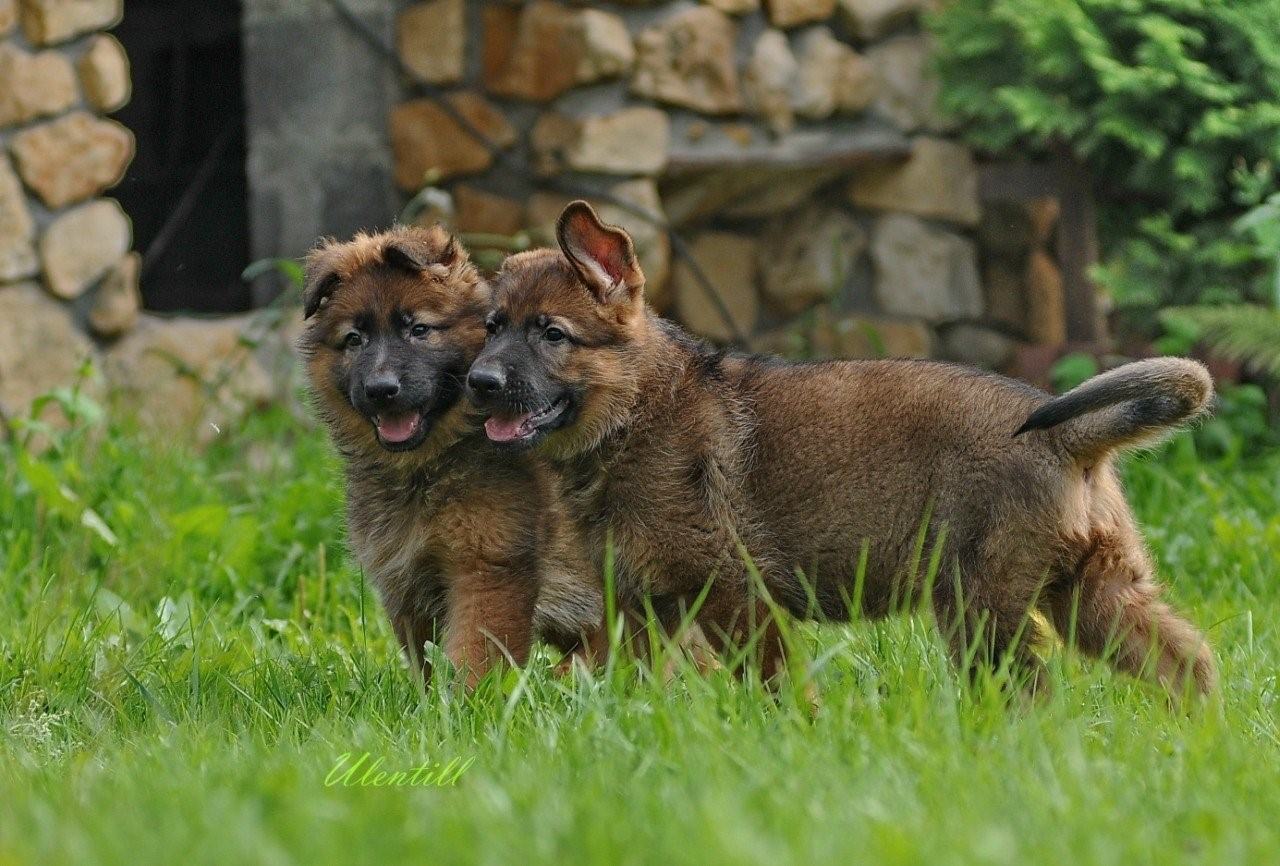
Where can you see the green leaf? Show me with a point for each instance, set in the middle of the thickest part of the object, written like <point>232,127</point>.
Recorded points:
<point>91,520</point>
<point>108,604</point>
<point>290,269</point>
<point>1072,370</point>
<point>203,520</point>
<point>49,489</point>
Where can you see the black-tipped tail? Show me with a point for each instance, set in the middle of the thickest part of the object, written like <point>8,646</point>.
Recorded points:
<point>1129,406</point>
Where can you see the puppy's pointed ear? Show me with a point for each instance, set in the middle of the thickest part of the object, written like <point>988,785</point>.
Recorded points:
<point>602,254</point>
<point>320,278</point>
<point>432,250</point>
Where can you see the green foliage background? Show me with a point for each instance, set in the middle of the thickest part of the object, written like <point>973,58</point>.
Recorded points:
<point>1174,104</point>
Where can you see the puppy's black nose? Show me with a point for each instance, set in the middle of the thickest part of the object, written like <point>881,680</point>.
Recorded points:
<point>382,386</point>
<point>486,380</point>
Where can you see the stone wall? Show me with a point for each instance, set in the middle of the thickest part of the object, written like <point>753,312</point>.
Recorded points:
<point>68,275</point>
<point>795,144</point>
<point>64,251</point>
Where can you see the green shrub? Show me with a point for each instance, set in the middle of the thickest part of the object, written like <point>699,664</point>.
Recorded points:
<point>1174,104</point>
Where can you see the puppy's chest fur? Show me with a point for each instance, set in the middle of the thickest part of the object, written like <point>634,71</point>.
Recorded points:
<point>391,524</point>
<point>666,492</point>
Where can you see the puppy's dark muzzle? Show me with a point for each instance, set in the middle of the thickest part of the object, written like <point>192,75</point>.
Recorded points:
<point>382,393</point>
<point>382,388</point>
<point>486,382</point>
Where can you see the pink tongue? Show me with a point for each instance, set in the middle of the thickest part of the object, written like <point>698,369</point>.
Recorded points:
<point>506,429</point>
<point>397,429</point>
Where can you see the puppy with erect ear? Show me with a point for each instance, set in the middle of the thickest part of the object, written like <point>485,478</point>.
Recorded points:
<point>577,366</point>
<point>838,478</point>
<point>467,549</point>
<point>535,377</point>
<point>602,255</point>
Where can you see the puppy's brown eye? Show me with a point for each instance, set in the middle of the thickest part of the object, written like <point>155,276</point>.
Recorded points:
<point>419,330</point>
<point>491,327</point>
<point>553,335</point>
<point>354,340</point>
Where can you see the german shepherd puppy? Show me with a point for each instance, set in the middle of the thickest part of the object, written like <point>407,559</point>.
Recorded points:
<point>464,549</point>
<point>841,479</point>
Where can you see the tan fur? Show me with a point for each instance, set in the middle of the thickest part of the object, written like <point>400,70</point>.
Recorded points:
<point>466,549</point>
<point>682,453</point>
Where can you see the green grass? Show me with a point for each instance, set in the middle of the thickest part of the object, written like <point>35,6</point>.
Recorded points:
<point>179,675</point>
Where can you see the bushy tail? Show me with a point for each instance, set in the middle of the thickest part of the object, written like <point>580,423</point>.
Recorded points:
<point>1129,406</point>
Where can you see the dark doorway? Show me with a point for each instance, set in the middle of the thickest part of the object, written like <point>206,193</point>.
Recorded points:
<point>186,189</point>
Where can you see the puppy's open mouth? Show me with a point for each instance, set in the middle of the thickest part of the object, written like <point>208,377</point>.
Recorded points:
<point>506,429</point>
<point>400,432</point>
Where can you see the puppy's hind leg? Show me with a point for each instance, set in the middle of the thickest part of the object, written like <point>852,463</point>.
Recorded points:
<point>732,621</point>
<point>987,626</point>
<point>1111,608</point>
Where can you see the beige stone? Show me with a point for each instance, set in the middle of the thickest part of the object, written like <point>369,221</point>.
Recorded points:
<point>865,336</point>
<point>8,15</point>
<point>33,85</point>
<point>431,39</point>
<point>805,258</point>
<point>48,21</point>
<point>500,26</point>
<point>907,89</point>
<point>1005,291</point>
<point>687,59</point>
<point>734,7</point>
<point>164,370</point>
<point>740,134</point>
<point>767,81</point>
<point>789,13</point>
<point>653,246</point>
<point>40,346</point>
<point>81,245</point>
<point>553,133</point>
<point>544,49</point>
<point>72,158</point>
<point>939,181</point>
<point>729,262</point>
<point>429,145</point>
<point>856,84</point>
<point>831,77</point>
<point>788,341</point>
<point>923,271</point>
<point>630,141</point>
<point>782,189</point>
<point>748,192</point>
<point>17,228</point>
<point>873,19</point>
<point>1046,301</point>
<point>118,301</point>
<point>603,46</point>
<point>104,74</point>
<point>486,213</point>
<point>977,345</point>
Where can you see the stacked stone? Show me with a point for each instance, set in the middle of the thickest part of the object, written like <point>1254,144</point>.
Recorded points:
<point>865,253</point>
<point>60,244</point>
<point>1021,279</point>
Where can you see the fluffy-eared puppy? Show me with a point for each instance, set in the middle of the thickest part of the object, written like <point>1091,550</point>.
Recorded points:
<point>842,479</point>
<point>466,548</point>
